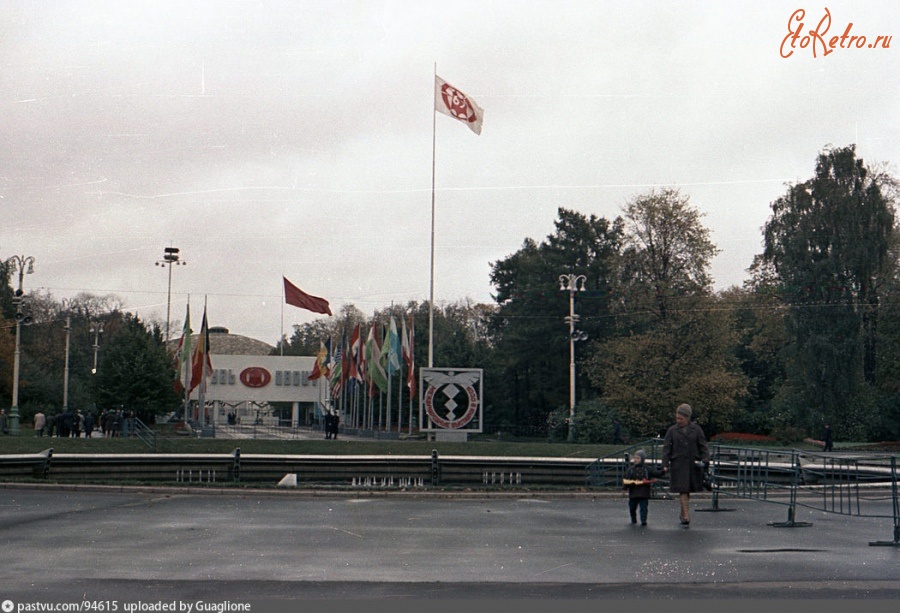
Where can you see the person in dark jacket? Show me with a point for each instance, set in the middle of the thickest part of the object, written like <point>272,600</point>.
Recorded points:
<point>638,486</point>
<point>88,424</point>
<point>328,420</point>
<point>335,425</point>
<point>684,456</point>
<point>827,439</point>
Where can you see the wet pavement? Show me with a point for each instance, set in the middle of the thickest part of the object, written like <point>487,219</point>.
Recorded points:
<point>150,543</point>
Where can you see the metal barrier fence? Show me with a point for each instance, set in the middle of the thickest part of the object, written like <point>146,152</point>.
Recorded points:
<point>835,482</point>
<point>828,482</point>
<point>331,470</point>
<point>145,433</point>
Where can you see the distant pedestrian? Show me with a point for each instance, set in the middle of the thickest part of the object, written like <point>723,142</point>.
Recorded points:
<point>638,486</point>
<point>4,422</point>
<point>827,439</point>
<point>617,433</point>
<point>88,424</point>
<point>335,425</point>
<point>328,418</point>
<point>118,423</point>
<point>68,423</point>
<point>40,422</point>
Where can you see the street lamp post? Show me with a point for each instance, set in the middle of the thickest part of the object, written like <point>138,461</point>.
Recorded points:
<point>96,330</point>
<point>66,305</point>
<point>572,283</point>
<point>25,265</point>
<point>170,257</point>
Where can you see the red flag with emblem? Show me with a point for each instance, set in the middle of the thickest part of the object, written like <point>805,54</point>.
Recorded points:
<point>453,103</point>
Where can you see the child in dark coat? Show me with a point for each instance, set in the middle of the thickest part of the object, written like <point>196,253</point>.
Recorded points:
<point>638,483</point>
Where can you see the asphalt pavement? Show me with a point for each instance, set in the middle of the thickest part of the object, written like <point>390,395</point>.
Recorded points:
<point>156,543</point>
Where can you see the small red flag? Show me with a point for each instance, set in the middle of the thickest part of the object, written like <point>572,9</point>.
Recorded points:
<point>295,296</point>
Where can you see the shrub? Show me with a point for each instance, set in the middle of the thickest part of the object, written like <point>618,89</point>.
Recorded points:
<point>787,435</point>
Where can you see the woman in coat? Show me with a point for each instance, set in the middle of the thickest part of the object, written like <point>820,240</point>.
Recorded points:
<point>684,455</point>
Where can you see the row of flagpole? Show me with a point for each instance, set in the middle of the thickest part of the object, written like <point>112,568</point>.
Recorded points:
<point>358,372</point>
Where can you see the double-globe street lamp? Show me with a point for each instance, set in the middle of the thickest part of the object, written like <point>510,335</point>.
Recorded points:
<point>96,330</point>
<point>170,258</point>
<point>572,283</point>
<point>24,265</point>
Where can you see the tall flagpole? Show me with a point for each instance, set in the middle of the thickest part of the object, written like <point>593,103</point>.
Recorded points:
<point>201,393</point>
<point>431,291</point>
<point>187,365</point>
<point>283,300</point>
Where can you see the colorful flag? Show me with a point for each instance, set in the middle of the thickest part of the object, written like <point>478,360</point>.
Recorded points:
<point>361,374</point>
<point>295,296</point>
<point>352,370</point>
<point>377,376</point>
<point>326,368</point>
<point>452,102</point>
<point>183,352</point>
<point>407,343</point>
<point>319,367</point>
<point>345,360</point>
<point>390,352</point>
<point>201,365</point>
<point>337,372</point>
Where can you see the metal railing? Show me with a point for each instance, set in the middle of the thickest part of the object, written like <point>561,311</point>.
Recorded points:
<point>829,482</point>
<point>145,433</point>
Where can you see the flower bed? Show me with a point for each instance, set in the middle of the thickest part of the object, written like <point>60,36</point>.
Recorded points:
<point>742,437</point>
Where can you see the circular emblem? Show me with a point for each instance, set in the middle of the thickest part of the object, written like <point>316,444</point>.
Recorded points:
<point>457,103</point>
<point>255,376</point>
<point>442,402</point>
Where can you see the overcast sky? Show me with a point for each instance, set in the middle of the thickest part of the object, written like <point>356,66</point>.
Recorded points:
<point>270,138</point>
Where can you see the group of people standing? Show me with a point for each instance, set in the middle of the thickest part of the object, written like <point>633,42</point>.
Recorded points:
<point>112,423</point>
<point>67,424</point>
<point>332,425</point>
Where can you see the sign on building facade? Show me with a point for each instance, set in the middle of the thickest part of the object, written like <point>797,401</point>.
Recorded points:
<point>243,383</point>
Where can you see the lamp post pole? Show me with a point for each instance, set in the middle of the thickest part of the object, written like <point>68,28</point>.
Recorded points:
<point>572,283</point>
<point>96,330</point>
<point>25,265</point>
<point>170,256</point>
<point>66,369</point>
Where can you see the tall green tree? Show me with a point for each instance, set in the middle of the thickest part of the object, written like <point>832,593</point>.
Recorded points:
<point>828,241</point>
<point>136,371</point>
<point>762,339</point>
<point>667,254</point>
<point>674,341</point>
<point>530,335</point>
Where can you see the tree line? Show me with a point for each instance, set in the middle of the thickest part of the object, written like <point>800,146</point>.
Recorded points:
<point>811,337</point>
